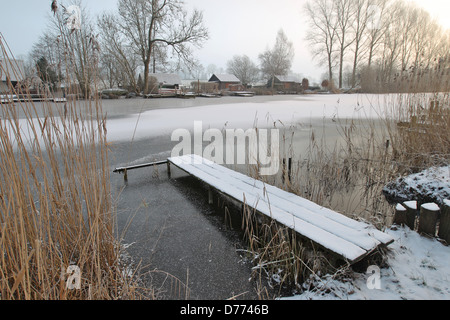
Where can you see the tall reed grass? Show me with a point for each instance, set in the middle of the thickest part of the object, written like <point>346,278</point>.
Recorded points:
<point>348,175</point>
<point>57,222</point>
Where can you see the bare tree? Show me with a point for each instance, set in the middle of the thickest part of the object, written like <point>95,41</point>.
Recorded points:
<point>278,60</point>
<point>322,32</point>
<point>117,55</point>
<point>244,69</point>
<point>378,23</point>
<point>151,24</point>
<point>70,49</point>
<point>362,14</point>
<point>345,18</point>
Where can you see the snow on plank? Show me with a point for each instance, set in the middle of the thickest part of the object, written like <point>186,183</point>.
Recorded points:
<point>344,236</point>
<point>298,206</point>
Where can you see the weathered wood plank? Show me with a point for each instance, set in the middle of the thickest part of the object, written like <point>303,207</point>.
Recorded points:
<point>295,204</point>
<point>344,236</point>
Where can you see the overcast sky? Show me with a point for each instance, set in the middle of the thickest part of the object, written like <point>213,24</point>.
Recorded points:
<point>236,27</point>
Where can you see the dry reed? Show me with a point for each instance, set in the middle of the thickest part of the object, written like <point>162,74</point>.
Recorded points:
<point>56,213</point>
<point>348,175</point>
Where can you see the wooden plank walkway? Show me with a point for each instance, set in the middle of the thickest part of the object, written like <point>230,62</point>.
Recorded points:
<point>348,238</point>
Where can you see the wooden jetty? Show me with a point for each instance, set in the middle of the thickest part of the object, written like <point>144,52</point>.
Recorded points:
<point>29,98</point>
<point>350,239</point>
<point>347,238</point>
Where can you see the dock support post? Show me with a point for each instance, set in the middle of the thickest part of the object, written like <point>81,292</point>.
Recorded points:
<point>411,213</point>
<point>168,169</point>
<point>428,219</point>
<point>125,175</point>
<point>287,171</point>
<point>210,196</point>
<point>400,215</point>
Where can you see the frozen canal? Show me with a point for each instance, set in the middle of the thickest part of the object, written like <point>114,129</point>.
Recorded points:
<point>168,222</point>
<point>173,229</point>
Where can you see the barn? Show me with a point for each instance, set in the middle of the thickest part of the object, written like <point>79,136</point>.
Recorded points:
<point>225,81</point>
<point>285,83</point>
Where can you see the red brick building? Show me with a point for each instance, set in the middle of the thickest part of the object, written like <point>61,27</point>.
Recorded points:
<point>225,81</point>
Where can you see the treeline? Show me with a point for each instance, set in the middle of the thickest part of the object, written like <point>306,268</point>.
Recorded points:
<point>379,45</point>
<point>119,48</point>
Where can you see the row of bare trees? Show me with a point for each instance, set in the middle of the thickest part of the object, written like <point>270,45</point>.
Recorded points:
<point>274,61</point>
<point>383,42</point>
<point>70,51</point>
<point>139,37</point>
<point>123,47</point>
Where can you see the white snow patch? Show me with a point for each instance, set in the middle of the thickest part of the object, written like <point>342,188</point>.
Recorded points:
<point>247,115</point>
<point>430,206</point>
<point>432,183</point>
<point>418,269</point>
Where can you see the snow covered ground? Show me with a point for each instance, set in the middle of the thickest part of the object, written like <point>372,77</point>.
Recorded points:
<point>430,185</point>
<point>246,115</point>
<point>418,269</point>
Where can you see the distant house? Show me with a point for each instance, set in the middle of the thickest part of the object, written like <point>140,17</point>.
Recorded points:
<point>11,72</point>
<point>225,81</point>
<point>285,83</point>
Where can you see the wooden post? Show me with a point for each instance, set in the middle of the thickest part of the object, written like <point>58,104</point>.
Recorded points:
<point>210,196</point>
<point>400,215</point>
<point>287,171</point>
<point>168,169</point>
<point>428,218</point>
<point>125,175</point>
<point>411,213</point>
<point>444,225</point>
<point>290,169</point>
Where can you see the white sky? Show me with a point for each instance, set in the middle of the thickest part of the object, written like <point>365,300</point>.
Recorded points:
<point>236,26</point>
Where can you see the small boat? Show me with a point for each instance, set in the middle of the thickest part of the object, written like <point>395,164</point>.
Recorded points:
<point>243,94</point>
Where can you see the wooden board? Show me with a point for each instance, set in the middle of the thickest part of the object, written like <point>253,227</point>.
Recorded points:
<point>346,237</point>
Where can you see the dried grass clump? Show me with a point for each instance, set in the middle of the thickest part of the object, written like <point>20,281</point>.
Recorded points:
<point>55,202</point>
<point>348,175</point>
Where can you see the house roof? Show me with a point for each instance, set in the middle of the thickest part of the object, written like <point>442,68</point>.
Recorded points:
<point>224,78</point>
<point>14,69</point>
<point>287,79</point>
<point>167,78</point>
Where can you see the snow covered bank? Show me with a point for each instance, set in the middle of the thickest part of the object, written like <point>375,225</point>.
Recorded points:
<point>418,269</point>
<point>430,185</point>
<point>246,115</point>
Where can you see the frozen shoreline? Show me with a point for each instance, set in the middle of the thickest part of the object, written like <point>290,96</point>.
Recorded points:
<point>244,115</point>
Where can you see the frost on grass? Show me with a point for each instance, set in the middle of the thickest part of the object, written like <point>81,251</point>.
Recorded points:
<point>430,185</point>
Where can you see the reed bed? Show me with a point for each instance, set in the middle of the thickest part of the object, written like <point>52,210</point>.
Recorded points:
<point>347,175</point>
<point>58,237</point>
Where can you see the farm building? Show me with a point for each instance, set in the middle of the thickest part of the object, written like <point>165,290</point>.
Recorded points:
<point>285,83</point>
<point>225,81</point>
<point>11,71</point>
